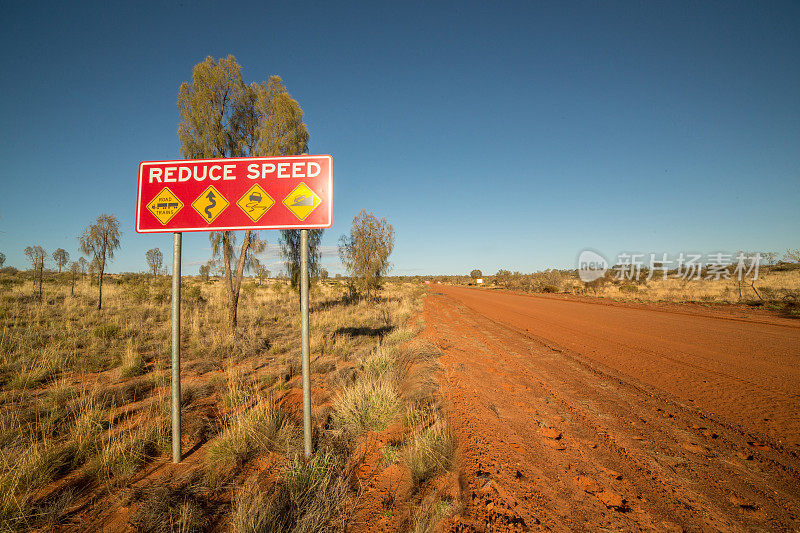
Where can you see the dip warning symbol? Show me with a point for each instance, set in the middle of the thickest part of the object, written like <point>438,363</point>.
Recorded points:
<point>255,202</point>
<point>302,201</point>
<point>165,205</point>
<point>210,204</point>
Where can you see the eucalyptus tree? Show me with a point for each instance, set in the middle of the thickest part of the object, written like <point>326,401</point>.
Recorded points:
<point>61,257</point>
<point>83,265</point>
<point>205,270</point>
<point>155,259</point>
<point>100,240</point>
<point>221,117</point>
<point>37,257</point>
<point>223,245</point>
<point>286,134</point>
<point>74,270</point>
<point>365,252</point>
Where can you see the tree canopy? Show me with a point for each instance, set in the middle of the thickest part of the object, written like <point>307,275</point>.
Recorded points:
<point>221,116</point>
<point>99,241</point>
<point>155,260</point>
<point>37,257</point>
<point>365,252</point>
<point>61,257</point>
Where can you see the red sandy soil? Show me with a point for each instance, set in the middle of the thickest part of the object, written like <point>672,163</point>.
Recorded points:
<point>579,415</point>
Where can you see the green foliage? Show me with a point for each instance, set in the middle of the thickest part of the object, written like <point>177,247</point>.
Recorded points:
<point>290,250</point>
<point>100,240</point>
<point>61,257</point>
<point>155,260</point>
<point>192,295</point>
<point>302,477</point>
<point>136,292</point>
<point>205,270</point>
<point>365,252</point>
<point>391,454</point>
<point>37,257</point>
<point>221,116</point>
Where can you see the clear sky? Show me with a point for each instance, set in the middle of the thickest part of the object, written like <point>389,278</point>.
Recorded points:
<point>490,134</point>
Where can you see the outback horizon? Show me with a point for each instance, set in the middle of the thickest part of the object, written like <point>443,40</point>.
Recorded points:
<point>411,268</point>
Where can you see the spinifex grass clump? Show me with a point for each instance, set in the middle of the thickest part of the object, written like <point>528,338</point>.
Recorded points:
<point>369,404</point>
<point>430,451</point>
<point>263,427</point>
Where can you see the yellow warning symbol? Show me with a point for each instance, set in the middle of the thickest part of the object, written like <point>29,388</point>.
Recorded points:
<point>165,205</point>
<point>210,204</point>
<point>255,202</point>
<point>302,201</point>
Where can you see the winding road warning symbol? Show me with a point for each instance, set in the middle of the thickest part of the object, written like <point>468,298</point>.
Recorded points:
<point>165,205</point>
<point>210,204</point>
<point>302,201</point>
<point>255,202</point>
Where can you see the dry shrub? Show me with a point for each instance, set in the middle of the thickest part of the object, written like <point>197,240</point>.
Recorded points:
<point>23,471</point>
<point>430,451</point>
<point>417,372</point>
<point>122,453</point>
<point>311,496</point>
<point>313,493</point>
<point>369,404</point>
<point>428,514</point>
<point>166,509</point>
<point>252,512</point>
<point>262,428</point>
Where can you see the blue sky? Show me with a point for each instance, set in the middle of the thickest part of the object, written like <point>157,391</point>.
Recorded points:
<point>490,135</point>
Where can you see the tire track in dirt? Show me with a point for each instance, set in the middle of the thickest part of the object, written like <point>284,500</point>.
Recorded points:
<point>551,440</point>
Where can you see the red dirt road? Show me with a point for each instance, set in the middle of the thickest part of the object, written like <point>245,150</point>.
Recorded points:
<point>575,415</point>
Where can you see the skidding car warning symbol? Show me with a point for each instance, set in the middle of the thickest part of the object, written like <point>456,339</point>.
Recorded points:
<point>165,205</point>
<point>302,201</point>
<point>255,202</point>
<point>210,204</point>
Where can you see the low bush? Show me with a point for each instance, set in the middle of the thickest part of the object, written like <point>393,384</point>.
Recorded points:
<point>264,427</point>
<point>136,292</point>
<point>106,331</point>
<point>369,404</point>
<point>429,452</point>
<point>166,509</point>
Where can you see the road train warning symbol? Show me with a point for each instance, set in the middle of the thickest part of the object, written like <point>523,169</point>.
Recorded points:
<point>255,202</point>
<point>165,205</point>
<point>210,204</point>
<point>302,201</point>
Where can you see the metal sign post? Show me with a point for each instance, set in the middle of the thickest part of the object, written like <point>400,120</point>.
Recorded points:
<point>305,341</point>
<point>230,194</point>
<point>176,347</point>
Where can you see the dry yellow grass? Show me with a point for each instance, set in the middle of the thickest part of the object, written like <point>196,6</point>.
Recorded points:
<point>88,390</point>
<point>770,286</point>
<point>778,288</point>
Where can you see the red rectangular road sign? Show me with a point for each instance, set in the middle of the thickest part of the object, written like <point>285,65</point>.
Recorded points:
<point>235,194</point>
